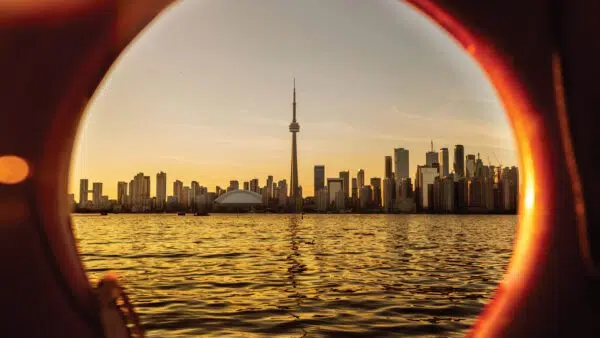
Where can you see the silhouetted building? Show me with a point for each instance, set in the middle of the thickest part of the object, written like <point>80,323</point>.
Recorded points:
<point>178,190</point>
<point>431,157</point>
<point>388,167</point>
<point>161,190</point>
<point>354,192</point>
<point>366,197</point>
<point>319,178</point>
<point>360,177</point>
<point>345,175</point>
<point>333,186</point>
<point>269,187</point>
<point>388,194</point>
<point>121,192</point>
<point>470,164</point>
<point>459,162</point>
<point>96,193</point>
<point>83,192</point>
<point>322,200</point>
<point>233,185</point>
<point>246,185</point>
<point>376,185</point>
<point>425,178</point>
<point>444,161</point>
<point>400,163</point>
<point>254,185</point>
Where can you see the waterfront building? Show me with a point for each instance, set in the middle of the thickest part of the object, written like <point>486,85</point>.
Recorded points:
<point>340,200</point>
<point>431,157</point>
<point>178,190</point>
<point>470,166</point>
<point>459,162</point>
<point>333,186</point>
<point>97,194</point>
<point>185,197</point>
<point>474,192</point>
<point>345,175</point>
<point>121,192</point>
<point>295,199</point>
<point>400,163</point>
<point>354,196</point>
<point>319,178</point>
<point>269,187</point>
<point>194,192</point>
<point>478,167</point>
<point>233,185</point>
<point>322,200</point>
<point>426,178</point>
<point>254,185</point>
<point>161,190</point>
<point>388,194</point>
<point>360,177</point>
<point>366,197</point>
<point>282,188</point>
<point>376,185</point>
<point>444,162</point>
<point>388,167</point>
<point>83,192</point>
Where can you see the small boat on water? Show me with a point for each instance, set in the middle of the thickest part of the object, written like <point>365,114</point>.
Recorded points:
<point>103,213</point>
<point>202,214</point>
<point>181,214</point>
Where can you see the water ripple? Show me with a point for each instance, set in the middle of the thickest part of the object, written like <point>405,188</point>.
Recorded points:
<point>321,276</point>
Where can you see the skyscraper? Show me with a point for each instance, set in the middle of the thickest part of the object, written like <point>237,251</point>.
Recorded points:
<point>254,185</point>
<point>388,167</point>
<point>319,182</point>
<point>233,185</point>
<point>83,191</point>
<point>121,192</point>
<point>401,163</point>
<point>294,129</point>
<point>459,161</point>
<point>470,166</point>
<point>161,190</point>
<point>444,162</point>
<point>334,185</point>
<point>97,193</point>
<point>431,157</point>
<point>376,184</point>
<point>178,190</point>
<point>360,177</point>
<point>269,187</point>
<point>345,175</point>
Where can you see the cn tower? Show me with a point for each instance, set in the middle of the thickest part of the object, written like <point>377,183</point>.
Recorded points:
<point>295,200</point>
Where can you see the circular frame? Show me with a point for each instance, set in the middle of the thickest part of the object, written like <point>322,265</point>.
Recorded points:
<point>543,292</point>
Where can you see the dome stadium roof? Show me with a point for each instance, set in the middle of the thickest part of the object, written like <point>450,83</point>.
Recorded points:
<point>239,197</point>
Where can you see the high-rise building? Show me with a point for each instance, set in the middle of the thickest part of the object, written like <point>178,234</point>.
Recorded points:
<point>366,197</point>
<point>194,192</point>
<point>233,185</point>
<point>121,192</point>
<point>401,163</point>
<point>83,191</point>
<point>376,185</point>
<point>354,191</point>
<point>459,162</point>
<point>185,197</point>
<point>444,162</point>
<point>388,193</point>
<point>345,175</point>
<point>388,167</point>
<point>178,190</point>
<point>360,177</point>
<point>478,167</point>
<point>246,185</point>
<point>97,193</point>
<point>426,178</point>
<point>319,179</point>
<point>322,200</point>
<point>161,190</point>
<point>282,187</point>
<point>269,187</point>
<point>470,166</point>
<point>295,200</point>
<point>333,186</point>
<point>254,185</point>
<point>431,157</point>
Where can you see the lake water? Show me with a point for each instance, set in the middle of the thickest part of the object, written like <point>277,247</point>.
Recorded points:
<point>270,275</point>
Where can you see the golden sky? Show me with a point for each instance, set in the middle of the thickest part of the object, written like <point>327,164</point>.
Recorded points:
<point>205,93</point>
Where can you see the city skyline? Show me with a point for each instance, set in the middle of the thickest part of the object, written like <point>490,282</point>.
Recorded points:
<point>215,102</point>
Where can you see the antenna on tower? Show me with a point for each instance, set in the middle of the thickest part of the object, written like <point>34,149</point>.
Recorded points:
<point>431,145</point>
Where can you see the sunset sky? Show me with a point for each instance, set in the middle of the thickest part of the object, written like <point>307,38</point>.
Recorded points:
<point>205,93</point>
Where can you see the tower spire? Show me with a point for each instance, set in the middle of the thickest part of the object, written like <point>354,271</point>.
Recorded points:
<point>294,118</point>
<point>431,145</point>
